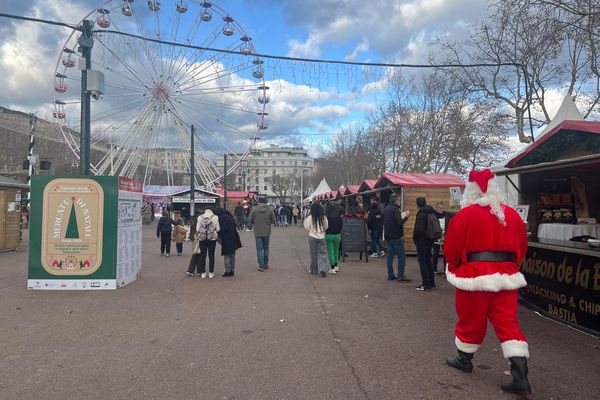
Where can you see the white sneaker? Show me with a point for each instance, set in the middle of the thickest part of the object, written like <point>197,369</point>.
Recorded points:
<point>374,255</point>
<point>332,271</point>
<point>203,275</point>
<point>381,253</point>
<point>336,268</point>
<point>210,275</point>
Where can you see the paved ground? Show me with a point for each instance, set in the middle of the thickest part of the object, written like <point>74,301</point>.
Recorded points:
<point>282,334</point>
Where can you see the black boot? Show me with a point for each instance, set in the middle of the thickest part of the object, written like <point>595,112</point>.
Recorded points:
<point>232,273</point>
<point>226,274</point>
<point>462,362</point>
<point>519,383</point>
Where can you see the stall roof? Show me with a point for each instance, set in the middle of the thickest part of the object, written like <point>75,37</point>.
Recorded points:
<point>351,189</point>
<point>419,180</point>
<point>568,139</point>
<point>237,194</point>
<point>6,181</point>
<point>197,190</point>
<point>367,184</point>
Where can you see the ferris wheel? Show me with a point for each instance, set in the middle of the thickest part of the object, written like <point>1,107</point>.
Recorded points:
<point>154,92</point>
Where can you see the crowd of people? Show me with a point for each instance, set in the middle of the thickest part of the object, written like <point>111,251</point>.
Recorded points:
<point>483,247</point>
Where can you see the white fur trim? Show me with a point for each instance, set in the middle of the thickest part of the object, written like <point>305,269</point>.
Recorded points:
<point>466,347</point>
<point>515,348</point>
<point>488,283</point>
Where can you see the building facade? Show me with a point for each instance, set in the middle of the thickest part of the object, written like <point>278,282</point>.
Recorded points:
<point>279,173</point>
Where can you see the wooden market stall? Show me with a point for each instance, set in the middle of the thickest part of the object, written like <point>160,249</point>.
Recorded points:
<point>433,187</point>
<point>10,213</point>
<point>559,193</point>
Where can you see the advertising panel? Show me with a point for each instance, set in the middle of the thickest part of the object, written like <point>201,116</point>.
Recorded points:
<point>74,232</point>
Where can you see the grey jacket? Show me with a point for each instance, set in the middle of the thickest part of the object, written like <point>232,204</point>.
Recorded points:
<point>263,218</point>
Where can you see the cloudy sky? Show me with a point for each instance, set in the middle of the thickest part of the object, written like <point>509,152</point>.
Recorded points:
<point>308,102</point>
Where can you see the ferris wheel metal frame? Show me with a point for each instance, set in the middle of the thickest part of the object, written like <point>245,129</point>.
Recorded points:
<point>162,90</point>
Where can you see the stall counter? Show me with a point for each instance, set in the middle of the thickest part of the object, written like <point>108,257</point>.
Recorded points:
<point>565,232</point>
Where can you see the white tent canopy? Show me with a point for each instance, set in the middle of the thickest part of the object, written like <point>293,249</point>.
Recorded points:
<point>566,112</point>
<point>322,188</point>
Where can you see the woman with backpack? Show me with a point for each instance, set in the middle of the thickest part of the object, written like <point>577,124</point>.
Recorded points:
<point>207,229</point>
<point>316,224</point>
<point>163,231</point>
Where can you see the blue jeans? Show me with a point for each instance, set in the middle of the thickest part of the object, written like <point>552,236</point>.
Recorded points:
<point>376,241</point>
<point>262,251</point>
<point>396,247</point>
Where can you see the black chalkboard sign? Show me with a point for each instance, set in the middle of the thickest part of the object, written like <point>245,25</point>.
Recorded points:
<point>354,236</point>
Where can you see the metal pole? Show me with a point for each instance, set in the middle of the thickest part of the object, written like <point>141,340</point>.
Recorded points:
<point>85,48</point>
<point>32,122</point>
<point>192,177</point>
<point>244,179</point>
<point>225,181</point>
<point>301,186</point>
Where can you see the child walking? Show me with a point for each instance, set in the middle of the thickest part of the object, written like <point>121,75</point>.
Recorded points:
<point>179,233</point>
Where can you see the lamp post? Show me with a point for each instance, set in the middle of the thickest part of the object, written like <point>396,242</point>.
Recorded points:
<point>302,185</point>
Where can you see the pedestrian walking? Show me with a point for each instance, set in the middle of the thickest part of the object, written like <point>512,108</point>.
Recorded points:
<point>163,231</point>
<point>286,215</point>
<point>239,214</point>
<point>375,225</point>
<point>295,214</point>
<point>262,217</point>
<point>194,265</point>
<point>427,230</point>
<point>333,234</point>
<point>316,224</point>
<point>179,234</point>
<point>393,225</point>
<point>229,239</point>
<point>484,246</point>
<point>207,229</point>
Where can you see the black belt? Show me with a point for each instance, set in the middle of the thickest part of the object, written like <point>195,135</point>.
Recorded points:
<point>493,256</point>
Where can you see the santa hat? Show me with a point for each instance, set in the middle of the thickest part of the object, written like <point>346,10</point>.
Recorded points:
<point>483,189</point>
<point>482,178</point>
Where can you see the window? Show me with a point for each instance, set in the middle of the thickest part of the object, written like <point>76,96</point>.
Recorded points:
<point>266,162</point>
<point>274,162</point>
<point>256,189</point>
<point>304,163</point>
<point>282,162</point>
<point>266,171</point>
<point>265,188</point>
<point>295,162</point>
<point>295,170</point>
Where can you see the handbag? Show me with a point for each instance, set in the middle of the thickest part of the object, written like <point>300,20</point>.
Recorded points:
<point>197,247</point>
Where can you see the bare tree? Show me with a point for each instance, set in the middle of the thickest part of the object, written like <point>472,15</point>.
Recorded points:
<point>281,186</point>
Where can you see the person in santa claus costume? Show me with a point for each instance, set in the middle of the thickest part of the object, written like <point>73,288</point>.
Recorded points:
<point>483,247</point>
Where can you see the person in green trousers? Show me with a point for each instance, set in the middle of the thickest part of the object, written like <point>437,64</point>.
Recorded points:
<point>333,235</point>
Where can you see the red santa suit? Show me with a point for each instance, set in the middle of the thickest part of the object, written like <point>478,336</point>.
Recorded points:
<point>486,290</point>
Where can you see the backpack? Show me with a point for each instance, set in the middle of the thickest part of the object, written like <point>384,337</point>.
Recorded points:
<point>433,230</point>
<point>207,229</point>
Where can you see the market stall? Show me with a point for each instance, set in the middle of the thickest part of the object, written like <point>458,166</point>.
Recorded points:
<point>560,201</point>
<point>180,202</point>
<point>433,187</point>
<point>10,213</point>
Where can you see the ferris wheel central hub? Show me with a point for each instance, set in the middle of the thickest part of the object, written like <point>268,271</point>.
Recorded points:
<point>160,91</point>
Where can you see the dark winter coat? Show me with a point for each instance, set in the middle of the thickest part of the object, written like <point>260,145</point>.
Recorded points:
<point>375,220</point>
<point>334,212</point>
<point>230,238</point>
<point>164,225</point>
<point>421,222</point>
<point>393,222</point>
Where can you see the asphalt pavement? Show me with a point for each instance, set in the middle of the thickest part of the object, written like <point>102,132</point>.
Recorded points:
<point>279,334</point>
